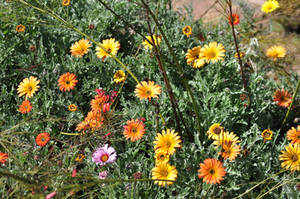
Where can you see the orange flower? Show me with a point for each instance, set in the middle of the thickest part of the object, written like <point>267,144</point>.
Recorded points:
<point>146,90</point>
<point>267,134</point>
<point>134,129</point>
<point>236,19</point>
<point>282,98</point>
<point>65,2</point>
<point>80,48</point>
<point>42,139</point>
<point>294,135</point>
<point>72,107</point>
<point>67,82</point>
<point>98,102</point>
<point>230,152</point>
<point>25,107</point>
<point>20,28</point>
<point>211,171</point>
<point>3,157</point>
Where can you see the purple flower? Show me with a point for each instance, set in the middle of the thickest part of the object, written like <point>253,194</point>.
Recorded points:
<point>103,175</point>
<point>104,155</point>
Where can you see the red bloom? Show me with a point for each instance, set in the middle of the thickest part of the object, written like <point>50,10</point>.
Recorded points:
<point>106,107</point>
<point>236,19</point>
<point>42,139</point>
<point>25,107</point>
<point>3,157</point>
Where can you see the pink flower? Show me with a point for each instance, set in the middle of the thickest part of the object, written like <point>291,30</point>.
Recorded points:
<point>74,172</point>
<point>104,155</point>
<point>51,195</point>
<point>103,175</point>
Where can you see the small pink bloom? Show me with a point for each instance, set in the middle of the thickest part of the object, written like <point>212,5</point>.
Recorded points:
<point>106,107</point>
<point>104,155</point>
<point>45,188</point>
<point>108,134</point>
<point>74,172</point>
<point>51,195</point>
<point>103,175</point>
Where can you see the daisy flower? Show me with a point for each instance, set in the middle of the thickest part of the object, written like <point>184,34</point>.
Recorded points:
<point>42,139</point>
<point>236,19</point>
<point>167,141</point>
<point>187,30</point>
<point>294,135</point>
<point>103,175</point>
<point>282,98</point>
<point>147,90</point>
<point>161,156</point>
<point>226,138</point>
<point>291,157</point>
<point>20,28</point>
<point>72,107</point>
<point>192,57</point>
<point>104,155</point>
<point>65,2</point>
<point>147,45</point>
<point>215,130</point>
<point>230,152</point>
<point>110,45</point>
<point>134,130</point>
<point>67,82</point>
<point>3,157</point>
<point>119,76</point>
<point>25,107</point>
<point>267,134</point>
<point>213,52</point>
<point>270,6</point>
<point>28,87</point>
<point>164,171</point>
<point>276,52</point>
<point>80,48</point>
<point>211,171</point>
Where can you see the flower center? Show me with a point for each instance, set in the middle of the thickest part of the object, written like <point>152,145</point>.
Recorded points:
<point>109,50</point>
<point>187,30</point>
<point>162,157</point>
<point>29,88</point>
<point>43,139</point>
<point>211,171</point>
<point>164,173</point>
<point>217,131</point>
<point>168,143</point>
<point>266,135</point>
<point>211,54</point>
<point>134,130</point>
<point>228,143</point>
<point>148,92</point>
<point>104,158</point>
<point>68,82</point>
<point>294,158</point>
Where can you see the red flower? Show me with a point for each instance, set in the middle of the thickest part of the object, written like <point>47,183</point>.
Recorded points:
<point>42,139</point>
<point>25,107</point>
<point>106,107</point>
<point>236,19</point>
<point>3,157</point>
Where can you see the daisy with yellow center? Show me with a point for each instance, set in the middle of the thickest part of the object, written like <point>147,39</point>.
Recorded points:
<point>164,171</point>
<point>65,2</point>
<point>291,157</point>
<point>187,30</point>
<point>28,87</point>
<point>20,28</point>
<point>270,6</point>
<point>282,98</point>
<point>67,82</point>
<point>148,45</point>
<point>72,107</point>
<point>167,141</point>
<point>192,57</point>
<point>80,48</point>
<point>25,107</point>
<point>294,135</point>
<point>147,90</point>
<point>212,171</point>
<point>276,52</point>
<point>161,156</point>
<point>215,130</point>
<point>119,76</point>
<point>226,138</point>
<point>267,134</point>
<point>134,130</point>
<point>230,152</point>
<point>213,52</point>
<point>110,45</point>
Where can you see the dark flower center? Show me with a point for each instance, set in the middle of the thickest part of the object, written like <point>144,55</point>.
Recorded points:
<point>217,131</point>
<point>211,171</point>
<point>67,82</point>
<point>294,158</point>
<point>104,158</point>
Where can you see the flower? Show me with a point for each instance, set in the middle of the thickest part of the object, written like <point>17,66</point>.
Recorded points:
<point>242,54</point>
<point>3,157</point>
<point>28,86</point>
<point>226,138</point>
<point>147,45</point>
<point>74,172</point>
<point>80,47</point>
<point>42,139</point>
<point>67,82</point>
<point>187,30</point>
<point>104,155</point>
<point>72,107</point>
<point>25,107</point>
<point>276,52</point>
<point>192,56</point>
<point>98,102</point>
<point>236,19</point>
<point>161,156</point>
<point>294,135</point>
<point>291,157</point>
<point>164,171</point>
<point>65,2</point>
<point>167,141</point>
<point>134,130</point>
<point>119,76</point>
<point>212,52</point>
<point>103,175</point>
<point>79,157</point>
<point>20,28</point>
<point>230,152</point>
<point>267,134</point>
<point>211,171</point>
<point>270,6</point>
<point>50,195</point>
<point>215,130</point>
<point>110,45</point>
<point>282,98</point>
<point>146,90</point>
<point>106,107</point>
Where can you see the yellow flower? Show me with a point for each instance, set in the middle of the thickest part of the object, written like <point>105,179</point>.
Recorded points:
<point>72,107</point>
<point>20,28</point>
<point>187,30</point>
<point>192,57</point>
<point>270,6</point>
<point>65,2</point>
<point>28,86</point>
<point>242,54</point>
<point>148,45</point>
<point>79,157</point>
<point>276,52</point>
<point>110,45</point>
<point>215,130</point>
<point>164,171</point>
<point>212,52</point>
<point>119,76</point>
<point>147,90</point>
<point>267,134</point>
<point>161,156</point>
<point>291,157</point>
<point>167,141</point>
<point>294,135</point>
<point>230,152</point>
<point>226,138</point>
<point>80,48</point>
